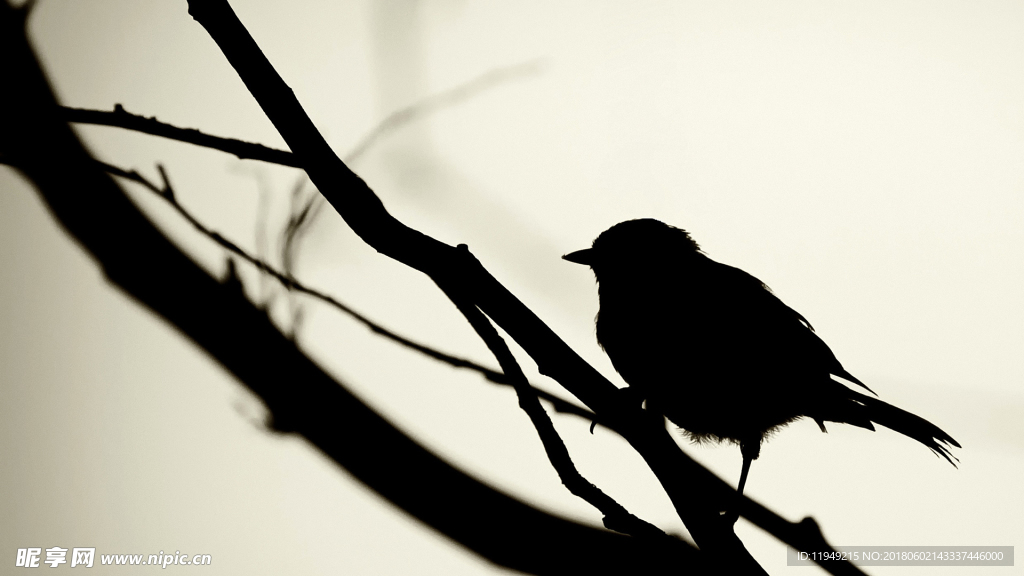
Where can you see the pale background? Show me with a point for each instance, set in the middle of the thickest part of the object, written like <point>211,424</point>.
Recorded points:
<point>866,160</point>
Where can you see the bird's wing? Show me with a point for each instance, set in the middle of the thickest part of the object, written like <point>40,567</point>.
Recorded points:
<point>748,302</point>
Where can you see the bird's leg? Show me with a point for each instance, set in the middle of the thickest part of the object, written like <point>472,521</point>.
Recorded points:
<point>743,475</point>
<point>750,450</point>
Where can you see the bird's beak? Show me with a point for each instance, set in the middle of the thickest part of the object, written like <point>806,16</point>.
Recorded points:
<point>580,257</point>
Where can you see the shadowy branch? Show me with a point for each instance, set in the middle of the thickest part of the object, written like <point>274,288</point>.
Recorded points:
<point>301,397</point>
<point>301,219</point>
<point>616,517</point>
<point>167,193</point>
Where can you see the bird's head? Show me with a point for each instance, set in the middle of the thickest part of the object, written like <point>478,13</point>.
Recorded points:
<point>636,244</point>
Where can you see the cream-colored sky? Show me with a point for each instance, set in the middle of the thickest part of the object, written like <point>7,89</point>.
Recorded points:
<point>865,159</point>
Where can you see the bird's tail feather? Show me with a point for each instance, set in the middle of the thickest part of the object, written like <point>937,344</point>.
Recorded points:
<point>909,425</point>
<point>842,373</point>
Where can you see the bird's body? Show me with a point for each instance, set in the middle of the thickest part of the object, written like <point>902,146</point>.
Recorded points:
<point>715,351</point>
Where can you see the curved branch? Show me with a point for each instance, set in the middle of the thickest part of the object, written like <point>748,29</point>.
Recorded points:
<point>167,193</point>
<point>121,118</point>
<point>302,398</point>
<point>616,516</point>
<point>363,211</point>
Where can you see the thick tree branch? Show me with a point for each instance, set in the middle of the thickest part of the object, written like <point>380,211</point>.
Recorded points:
<point>304,217</point>
<point>616,517</point>
<point>301,397</point>
<point>557,360</point>
<point>680,476</point>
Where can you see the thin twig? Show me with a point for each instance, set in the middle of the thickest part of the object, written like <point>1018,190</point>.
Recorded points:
<point>144,265</point>
<point>366,215</point>
<point>616,516</point>
<point>166,191</point>
<point>368,218</point>
<point>121,118</point>
<point>301,220</point>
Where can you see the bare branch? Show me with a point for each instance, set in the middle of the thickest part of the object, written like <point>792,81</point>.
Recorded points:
<point>302,218</point>
<point>616,517</point>
<point>367,216</point>
<point>302,398</point>
<point>121,118</point>
<point>167,193</point>
<point>364,212</point>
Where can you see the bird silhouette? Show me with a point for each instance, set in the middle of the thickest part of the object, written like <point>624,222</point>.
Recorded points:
<point>712,349</point>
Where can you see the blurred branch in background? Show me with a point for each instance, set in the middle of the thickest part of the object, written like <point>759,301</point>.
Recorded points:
<point>304,216</point>
<point>304,210</point>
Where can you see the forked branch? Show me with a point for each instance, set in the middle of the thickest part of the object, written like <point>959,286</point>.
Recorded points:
<point>303,399</point>
<point>448,266</point>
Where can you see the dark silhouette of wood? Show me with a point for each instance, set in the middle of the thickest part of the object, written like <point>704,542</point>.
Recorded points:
<point>448,266</point>
<point>301,398</point>
<point>615,515</point>
<point>166,280</point>
<point>363,211</point>
<point>165,192</point>
<point>121,118</point>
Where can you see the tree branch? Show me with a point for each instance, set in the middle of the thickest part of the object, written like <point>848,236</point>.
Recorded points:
<point>303,219</point>
<point>616,517</point>
<point>674,469</point>
<point>679,475</point>
<point>290,283</point>
<point>300,396</point>
<point>121,118</point>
